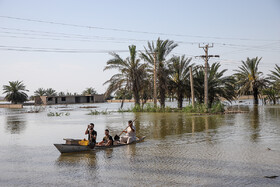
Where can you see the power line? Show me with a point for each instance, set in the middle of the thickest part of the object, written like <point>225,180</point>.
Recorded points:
<point>130,31</point>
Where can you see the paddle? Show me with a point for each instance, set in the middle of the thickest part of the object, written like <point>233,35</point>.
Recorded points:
<point>117,137</point>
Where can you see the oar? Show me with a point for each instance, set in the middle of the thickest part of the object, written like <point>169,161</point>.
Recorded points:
<point>117,137</point>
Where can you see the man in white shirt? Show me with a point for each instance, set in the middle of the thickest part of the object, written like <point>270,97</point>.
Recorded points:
<point>130,134</point>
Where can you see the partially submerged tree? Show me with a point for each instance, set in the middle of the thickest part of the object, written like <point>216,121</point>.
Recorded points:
<point>219,86</point>
<point>15,92</point>
<point>179,82</point>
<point>249,78</point>
<point>158,52</point>
<point>130,74</point>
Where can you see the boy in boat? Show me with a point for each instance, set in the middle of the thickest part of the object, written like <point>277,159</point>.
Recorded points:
<point>92,134</point>
<point>130,134</point>
<point>107,140</point>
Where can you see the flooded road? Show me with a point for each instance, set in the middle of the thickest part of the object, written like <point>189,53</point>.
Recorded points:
<point>180,150</point>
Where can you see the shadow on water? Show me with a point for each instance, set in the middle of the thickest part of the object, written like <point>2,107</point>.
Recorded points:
<point>15,124</point>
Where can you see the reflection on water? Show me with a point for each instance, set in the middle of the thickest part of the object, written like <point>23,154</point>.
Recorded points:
<point>182,150</point>
<point>15,124</point>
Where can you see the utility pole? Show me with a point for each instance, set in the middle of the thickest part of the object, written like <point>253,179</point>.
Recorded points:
<point>192,89</point>
<point>155,79</point>
<point>206,58</point>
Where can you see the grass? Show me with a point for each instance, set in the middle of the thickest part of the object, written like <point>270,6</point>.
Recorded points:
<point>95,112</point>
<point>57,114</point>
<point>199,108</point>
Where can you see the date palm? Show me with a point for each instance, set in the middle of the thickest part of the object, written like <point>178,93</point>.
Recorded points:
<point>158,52</point>
<point>179,77</point>
<point>89,91</point>
<point>131,73</point>
<point>219,86</point>
<point>40,92</point>
<point>275,77</point>
<point>15,92</point>
<point>50,92</point>
<point>249,78</point>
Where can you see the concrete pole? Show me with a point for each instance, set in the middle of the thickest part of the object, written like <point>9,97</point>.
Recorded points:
<point>206,77</point>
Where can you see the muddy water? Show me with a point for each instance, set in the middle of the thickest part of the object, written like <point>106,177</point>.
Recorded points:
<point>180,150</point>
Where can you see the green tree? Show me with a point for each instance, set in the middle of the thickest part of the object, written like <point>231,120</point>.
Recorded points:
<point>275,77</point>
<point>40,92</point>
<point>89,91</point>
<point>61,94</point>
<point>15,92</point>
<point>179,75</point>
<point>50,92</point>
<point>219,86</point>
<point>158,52</point>
<point>249,78</point>
<point>131,73</point>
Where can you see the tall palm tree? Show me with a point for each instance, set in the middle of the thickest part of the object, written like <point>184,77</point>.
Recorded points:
<point>131,73</point>
<point>249,78</point>
<point>89,91</point>
<point>158,52</point>
<point>179,76</point>
<point>40,92</point>
<point>219,86</point>
<point>15,92</point>
<point>50,92</point>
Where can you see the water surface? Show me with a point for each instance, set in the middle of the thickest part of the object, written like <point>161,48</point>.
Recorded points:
<point>182,150</point>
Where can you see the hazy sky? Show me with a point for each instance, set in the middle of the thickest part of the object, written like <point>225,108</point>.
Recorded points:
<point>64,44</point>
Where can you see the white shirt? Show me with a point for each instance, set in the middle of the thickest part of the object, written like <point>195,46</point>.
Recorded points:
<point>130,133</point>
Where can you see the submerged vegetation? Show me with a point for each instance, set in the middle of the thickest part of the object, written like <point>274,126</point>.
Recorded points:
<point>58,114</point>
<point>96,112</point>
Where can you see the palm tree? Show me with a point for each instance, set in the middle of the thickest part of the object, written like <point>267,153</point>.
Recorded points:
<point>158,52</point>
<point>219,86</point>
<point>275,76</point>
<point>179,77</point>
<point>15,92</point>
<point>131,73</point>
<point>50,92</point>
<point>40,92</point>
<point>249,78</point>
<point>61,94</point>
<point>89,91</point>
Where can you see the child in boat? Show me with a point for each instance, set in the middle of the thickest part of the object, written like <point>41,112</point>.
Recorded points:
<point>107,140</point>
<point>130,133</point>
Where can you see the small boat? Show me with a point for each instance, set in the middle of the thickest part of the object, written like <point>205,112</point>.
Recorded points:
<point>72,145</point>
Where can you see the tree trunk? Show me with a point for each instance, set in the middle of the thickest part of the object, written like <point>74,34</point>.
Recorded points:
<point>180,100</point>
<point>256,93</point>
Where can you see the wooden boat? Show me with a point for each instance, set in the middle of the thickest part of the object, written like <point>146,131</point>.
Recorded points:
<point>72,145</point>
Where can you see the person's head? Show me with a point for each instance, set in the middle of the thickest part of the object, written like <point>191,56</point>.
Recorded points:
<point>106,132</point>
<point>130,122</point>
<point>91,126</point>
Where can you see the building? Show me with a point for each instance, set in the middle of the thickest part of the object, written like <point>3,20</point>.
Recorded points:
<point>73,99</point>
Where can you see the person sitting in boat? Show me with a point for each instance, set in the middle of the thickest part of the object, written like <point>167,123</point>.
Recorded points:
<point>130,134</point>
<point>107,140</point>
<point>92,134</point>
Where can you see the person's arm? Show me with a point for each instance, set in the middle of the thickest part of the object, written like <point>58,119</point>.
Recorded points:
<point>94,135</point>
<point>110,142</point>
<point>132,128</point>
<point>87,130</point>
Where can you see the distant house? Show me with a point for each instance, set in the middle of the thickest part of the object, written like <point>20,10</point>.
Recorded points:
<point>73,99</point>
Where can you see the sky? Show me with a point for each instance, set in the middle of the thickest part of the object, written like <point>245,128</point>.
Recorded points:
<point>65,44</point>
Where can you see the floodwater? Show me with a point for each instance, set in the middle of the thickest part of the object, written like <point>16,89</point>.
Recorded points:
<point>180,150</point>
